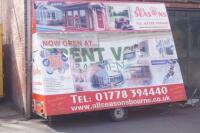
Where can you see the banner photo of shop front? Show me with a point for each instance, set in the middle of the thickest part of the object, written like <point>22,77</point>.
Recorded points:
<point>73,16</point>
<point>75,72</point>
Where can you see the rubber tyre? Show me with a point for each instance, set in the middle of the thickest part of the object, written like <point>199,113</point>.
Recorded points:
<point>118,114</point>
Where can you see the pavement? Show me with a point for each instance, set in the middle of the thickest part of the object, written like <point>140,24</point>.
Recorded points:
<point>176,119</point>
<point>12,121</point>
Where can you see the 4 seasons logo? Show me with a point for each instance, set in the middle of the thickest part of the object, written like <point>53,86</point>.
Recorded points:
<point>149,12</point>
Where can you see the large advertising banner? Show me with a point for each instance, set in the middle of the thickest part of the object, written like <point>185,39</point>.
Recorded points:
<point>74,16</point>
<point>76,72</point>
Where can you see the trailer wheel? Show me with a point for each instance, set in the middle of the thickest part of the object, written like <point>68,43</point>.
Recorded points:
<point>118,114</point>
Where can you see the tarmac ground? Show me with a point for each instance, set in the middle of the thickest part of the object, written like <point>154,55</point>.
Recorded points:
<point>176,119</point>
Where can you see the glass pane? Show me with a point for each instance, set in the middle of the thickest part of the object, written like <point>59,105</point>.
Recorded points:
<point>69,13</point>
<point>53,15</point>
<point>69,18</point>
<point>48,15</point>
<point>100,19</point>
<point>83,19</point>
<point>76,19</point>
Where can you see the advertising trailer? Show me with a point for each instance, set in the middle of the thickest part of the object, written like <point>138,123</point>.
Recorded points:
<point>92,56</point>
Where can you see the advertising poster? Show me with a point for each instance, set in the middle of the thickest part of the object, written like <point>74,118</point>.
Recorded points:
<point>77,16</point>
<point>75,72</point>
